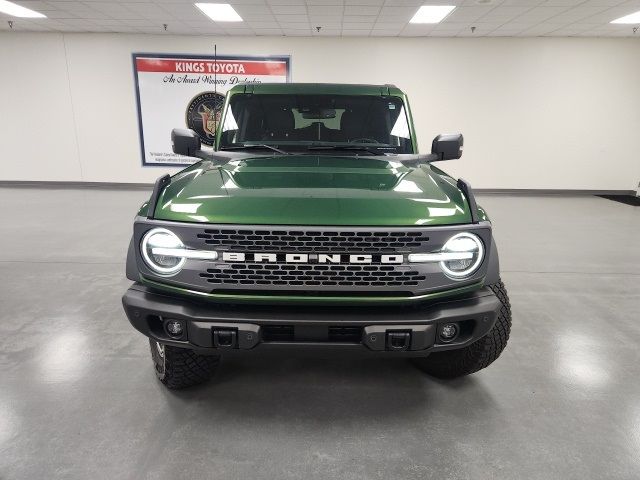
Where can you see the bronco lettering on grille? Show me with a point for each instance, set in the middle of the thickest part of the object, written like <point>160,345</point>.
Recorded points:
<point>310,258</point>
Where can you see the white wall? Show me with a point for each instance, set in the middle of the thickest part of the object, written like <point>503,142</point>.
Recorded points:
<point>536,113</point>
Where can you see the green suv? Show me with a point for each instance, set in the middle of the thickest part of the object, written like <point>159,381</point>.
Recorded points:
<point>314,223</point>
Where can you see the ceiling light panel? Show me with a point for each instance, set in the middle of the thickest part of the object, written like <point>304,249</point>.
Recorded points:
<point>631,19</point>
<point>14,10</point>
<point>432,13</point>
<point>219,12</point>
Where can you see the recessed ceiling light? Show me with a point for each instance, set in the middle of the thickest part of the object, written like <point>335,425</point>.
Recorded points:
<point>14,10</point>
<point>431,13</point>
<point>628,19</point>
<point>219,12</point>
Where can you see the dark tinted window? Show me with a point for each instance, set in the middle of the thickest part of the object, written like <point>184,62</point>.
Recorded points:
<point>291,121</point>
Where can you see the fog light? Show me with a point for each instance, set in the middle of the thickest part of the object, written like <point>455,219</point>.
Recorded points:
<point>448,332</point>
<point>174,328</point>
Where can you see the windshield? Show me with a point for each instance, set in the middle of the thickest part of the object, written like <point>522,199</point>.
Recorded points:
<point>311,123</point>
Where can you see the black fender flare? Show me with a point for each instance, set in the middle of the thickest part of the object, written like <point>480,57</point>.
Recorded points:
<point>132,266</point>
<point>493,269</point>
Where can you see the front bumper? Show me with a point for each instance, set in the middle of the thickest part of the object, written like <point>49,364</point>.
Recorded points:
<point>218,328</point>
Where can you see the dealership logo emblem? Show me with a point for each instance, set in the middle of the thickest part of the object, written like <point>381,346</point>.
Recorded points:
<point>203,115</point>
<point>359,258</point>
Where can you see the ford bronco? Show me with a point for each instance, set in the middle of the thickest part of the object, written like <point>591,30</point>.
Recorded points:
<point>313,223</point>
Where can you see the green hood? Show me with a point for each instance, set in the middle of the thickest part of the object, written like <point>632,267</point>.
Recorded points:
<point>313,190</point>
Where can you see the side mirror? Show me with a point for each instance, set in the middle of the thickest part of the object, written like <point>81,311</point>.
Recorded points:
<point>185,142</point>
<point>448,146</point>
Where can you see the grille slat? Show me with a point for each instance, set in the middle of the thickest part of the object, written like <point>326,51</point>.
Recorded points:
<point>311,274</point>
<point>312,241</point>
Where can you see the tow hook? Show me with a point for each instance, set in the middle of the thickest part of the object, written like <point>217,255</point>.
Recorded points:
<point>398,338</point>
<point>225,338</point>
<point>398,341</point>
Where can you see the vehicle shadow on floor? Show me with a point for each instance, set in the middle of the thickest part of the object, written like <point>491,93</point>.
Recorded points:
<point>310,388</point>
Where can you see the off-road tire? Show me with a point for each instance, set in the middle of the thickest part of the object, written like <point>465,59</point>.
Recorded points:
<point>478,355</point>
<point>181,367</point>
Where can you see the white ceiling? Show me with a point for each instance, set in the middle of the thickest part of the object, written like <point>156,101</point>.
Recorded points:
<point>512,18</point>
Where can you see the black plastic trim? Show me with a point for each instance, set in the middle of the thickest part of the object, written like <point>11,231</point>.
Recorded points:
<point>144,306</point>
<point>464,186</point>
<point>132,266</point>
<point>160,184</point>
<point>493,268</point>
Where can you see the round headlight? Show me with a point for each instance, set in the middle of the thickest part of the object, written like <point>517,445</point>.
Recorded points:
<point>470,252</point>
<point>159,239</point>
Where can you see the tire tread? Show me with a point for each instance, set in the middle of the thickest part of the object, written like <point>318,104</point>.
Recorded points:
<point>185,368</point>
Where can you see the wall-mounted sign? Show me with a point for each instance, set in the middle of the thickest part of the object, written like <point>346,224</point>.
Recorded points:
<point>187,91</point>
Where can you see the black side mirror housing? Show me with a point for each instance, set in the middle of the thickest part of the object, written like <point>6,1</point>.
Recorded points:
<point>448,146</point>
<point>185,142</point>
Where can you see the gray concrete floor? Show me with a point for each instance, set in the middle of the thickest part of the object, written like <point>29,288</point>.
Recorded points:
<point>78,397</point>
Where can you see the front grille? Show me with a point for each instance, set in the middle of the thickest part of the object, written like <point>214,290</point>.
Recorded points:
<point>293,241</point>
<point>312,275</point>
<point>238,271</point>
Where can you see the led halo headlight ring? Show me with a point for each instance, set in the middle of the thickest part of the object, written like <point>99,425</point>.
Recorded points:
<point>476,248</point>
<point>464,249</point>
<point>163,239</point>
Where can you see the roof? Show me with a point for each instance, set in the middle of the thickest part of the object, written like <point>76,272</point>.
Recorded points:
<point>317,88</point>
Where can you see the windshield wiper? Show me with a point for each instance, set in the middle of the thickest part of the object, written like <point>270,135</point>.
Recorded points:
<point>248,146</point>
<point>356,148</point>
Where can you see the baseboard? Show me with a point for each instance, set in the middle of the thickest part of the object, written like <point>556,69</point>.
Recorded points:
<point>83,185</point>
<point>549,191</point>
<point>632,200</point>
<point>148,186</point>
